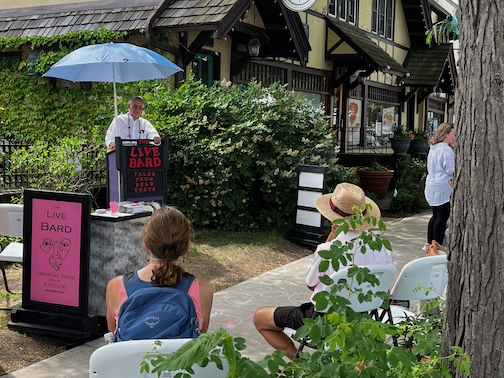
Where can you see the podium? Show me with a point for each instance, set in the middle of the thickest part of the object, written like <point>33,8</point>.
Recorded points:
<point>137,170</point>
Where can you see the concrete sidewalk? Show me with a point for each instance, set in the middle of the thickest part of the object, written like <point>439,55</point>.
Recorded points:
<point>234,307</point>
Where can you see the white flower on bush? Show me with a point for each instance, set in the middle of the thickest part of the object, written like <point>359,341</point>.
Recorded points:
<point>226,83</point>
<point>276,171</point>
<point>267,100</point>
<point>180,154</point>
<point>244,200</point>
<point>292,153</point>
<point>305,140</point>
<point>205,118</point>
<point>255,138</point>
<point>213,214</point>
<point>315,158</point>
<point>258,162</point>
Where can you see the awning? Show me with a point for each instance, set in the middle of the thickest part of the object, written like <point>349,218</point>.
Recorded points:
<point>430,66</point>
<point>351,46</point>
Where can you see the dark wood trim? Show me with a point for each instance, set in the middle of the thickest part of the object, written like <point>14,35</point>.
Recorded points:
<point>344,79</point>
<point>195,46</point>
<point>385,40</point>
<point>411,93</point>
<point>274,63</point>
<point>232,17</point>
<point>384,86</point>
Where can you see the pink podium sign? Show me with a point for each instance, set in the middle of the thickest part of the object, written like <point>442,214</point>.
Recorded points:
<point>55,252</point>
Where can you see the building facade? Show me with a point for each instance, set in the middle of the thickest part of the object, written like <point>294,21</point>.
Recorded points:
<point>366,61</point>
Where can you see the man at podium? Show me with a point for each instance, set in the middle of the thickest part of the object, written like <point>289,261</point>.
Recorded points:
<point>131,125</point>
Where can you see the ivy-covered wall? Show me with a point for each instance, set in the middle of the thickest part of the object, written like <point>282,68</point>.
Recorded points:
<point>33,107</point>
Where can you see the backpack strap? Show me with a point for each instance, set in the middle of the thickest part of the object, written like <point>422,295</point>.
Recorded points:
<point>128,278</point>
<point>186,282</point>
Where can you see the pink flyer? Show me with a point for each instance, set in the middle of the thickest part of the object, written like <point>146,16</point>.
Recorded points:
<point>55,252</point>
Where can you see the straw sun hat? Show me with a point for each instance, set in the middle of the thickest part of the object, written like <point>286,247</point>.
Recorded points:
<point>339,204</point>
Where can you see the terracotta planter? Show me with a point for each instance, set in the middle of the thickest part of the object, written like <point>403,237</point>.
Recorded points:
<point>376,182</point>
<point>400,145</point>
<point>419,146</point>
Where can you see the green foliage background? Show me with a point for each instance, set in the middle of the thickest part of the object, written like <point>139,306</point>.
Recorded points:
<point>234,150</point>
<point>410,186</point>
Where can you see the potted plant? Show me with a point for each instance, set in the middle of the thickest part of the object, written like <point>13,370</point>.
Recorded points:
<point>375,179</point>
<point>401,139</point>
<point>420,142</point>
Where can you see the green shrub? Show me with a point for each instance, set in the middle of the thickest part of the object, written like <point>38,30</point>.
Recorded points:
<point>69,165</point>
<point>410,187</point>
<point>234,151</point>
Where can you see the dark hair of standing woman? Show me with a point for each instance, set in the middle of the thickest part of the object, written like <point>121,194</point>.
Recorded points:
<point>166,235</point>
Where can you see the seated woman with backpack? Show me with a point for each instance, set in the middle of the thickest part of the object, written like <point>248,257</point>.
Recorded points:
<point>160,300</point>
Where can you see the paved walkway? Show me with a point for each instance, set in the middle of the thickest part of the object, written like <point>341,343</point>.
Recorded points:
<point>234,307</point>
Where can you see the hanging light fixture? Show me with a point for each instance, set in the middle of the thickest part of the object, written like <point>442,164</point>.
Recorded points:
<point>254,46</point>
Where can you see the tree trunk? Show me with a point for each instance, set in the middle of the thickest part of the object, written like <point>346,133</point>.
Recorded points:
<point>474,307</point>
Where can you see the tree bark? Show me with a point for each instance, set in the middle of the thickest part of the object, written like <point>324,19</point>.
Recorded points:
<point>474,307</point>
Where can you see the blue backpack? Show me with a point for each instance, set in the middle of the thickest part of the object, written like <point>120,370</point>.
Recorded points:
<point>158,313</point>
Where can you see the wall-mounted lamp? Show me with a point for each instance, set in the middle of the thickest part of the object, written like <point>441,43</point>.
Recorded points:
<point>254,46</point>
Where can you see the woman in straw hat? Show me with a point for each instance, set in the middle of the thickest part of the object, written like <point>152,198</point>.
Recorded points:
<point>270,321</point>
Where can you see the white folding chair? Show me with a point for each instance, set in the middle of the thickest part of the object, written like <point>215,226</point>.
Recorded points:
<point>123,359</point>
<point>11,224</point>
<point>385,274</point>
<point>415,277</point>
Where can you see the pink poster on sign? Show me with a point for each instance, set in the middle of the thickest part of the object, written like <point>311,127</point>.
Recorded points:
<point>55,252</point>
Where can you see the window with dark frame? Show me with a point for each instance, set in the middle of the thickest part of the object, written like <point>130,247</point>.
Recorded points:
<point>382,18</point>
<point>345,10</point>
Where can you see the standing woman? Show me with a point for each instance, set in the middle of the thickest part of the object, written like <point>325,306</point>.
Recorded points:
<point>438,189</point>
<point>166,236</point>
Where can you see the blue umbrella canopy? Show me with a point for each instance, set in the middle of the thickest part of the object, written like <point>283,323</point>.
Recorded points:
<point>112,62</point>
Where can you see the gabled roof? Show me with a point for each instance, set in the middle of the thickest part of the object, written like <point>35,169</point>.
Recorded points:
<point>426,65</point>
<point>207,14</point>
<point>48,21</point>
<point>282,36</point>
<point>353,45</point>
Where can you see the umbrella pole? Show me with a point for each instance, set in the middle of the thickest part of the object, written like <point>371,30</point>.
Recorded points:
<point>116,127</point>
